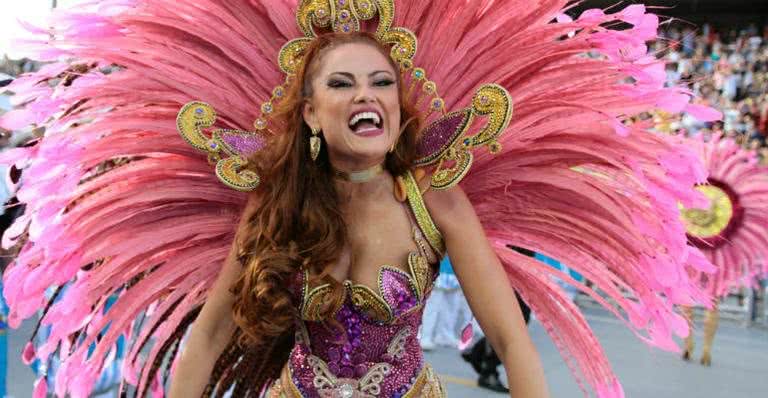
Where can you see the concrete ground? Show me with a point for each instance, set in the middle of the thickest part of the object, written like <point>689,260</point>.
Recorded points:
<point>739,365</point>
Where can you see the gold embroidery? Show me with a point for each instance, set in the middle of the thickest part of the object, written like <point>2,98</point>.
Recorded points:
<point>371,382</point>
<point>370,303</point>
<point>327,384</point>
<point>421,271</point>
<point>427,225</point>
<point>323,376</point>
<point>427,384</point>
<point>313,301</point>
<point>397,345</point>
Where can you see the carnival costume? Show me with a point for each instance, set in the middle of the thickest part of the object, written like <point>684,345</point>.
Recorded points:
<point>732,230</point>
<point>564,176</point>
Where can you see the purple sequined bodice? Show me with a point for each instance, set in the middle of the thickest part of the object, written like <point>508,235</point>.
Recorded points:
<point>374,349</point>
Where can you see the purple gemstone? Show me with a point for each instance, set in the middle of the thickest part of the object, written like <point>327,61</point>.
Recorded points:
<point>333,354</point>
<point>361,370</point>
<point>342,2</point>
<point>334,368</point>
<point>346,28</point>
<point>441,133</point>
<point>347,372</point>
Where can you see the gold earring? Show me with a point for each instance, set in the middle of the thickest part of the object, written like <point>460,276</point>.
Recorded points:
<point>314,144</point>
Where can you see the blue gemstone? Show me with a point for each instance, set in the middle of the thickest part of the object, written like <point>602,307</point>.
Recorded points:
<point>199,111</point>
<point>467,141</point>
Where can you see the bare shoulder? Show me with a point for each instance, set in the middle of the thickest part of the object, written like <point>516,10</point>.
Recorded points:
<point>449,208</point>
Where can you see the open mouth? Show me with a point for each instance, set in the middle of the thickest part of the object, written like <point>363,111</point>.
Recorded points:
<point>363,122</point>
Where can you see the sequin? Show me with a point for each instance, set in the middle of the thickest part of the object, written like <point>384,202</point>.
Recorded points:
<point>242,144</point>
<point>440,135</point>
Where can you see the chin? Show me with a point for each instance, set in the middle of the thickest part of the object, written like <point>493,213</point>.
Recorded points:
<point>366,154</point>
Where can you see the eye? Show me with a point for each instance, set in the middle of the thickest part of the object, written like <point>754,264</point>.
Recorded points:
<point>384,83</point>
<point>335,83</point>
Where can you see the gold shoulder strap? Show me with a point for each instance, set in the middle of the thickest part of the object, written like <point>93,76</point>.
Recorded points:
<point>427,226</point>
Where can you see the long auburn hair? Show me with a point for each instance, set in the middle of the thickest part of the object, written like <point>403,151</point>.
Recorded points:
<point>297,225</point>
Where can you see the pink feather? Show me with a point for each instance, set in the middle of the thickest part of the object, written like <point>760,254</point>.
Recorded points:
<point>575,180</point>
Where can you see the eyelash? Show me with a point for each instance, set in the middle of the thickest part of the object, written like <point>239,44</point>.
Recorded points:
<point>343,84</point>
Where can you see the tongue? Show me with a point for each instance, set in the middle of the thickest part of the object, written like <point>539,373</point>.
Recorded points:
<point>364,125</point>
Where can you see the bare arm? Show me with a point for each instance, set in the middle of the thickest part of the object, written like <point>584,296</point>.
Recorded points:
<point>488,292</point>
<point>213,328</point>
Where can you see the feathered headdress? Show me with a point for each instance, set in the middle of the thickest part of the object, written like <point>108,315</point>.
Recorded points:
<point>571,178</point>
<point>732,230</point>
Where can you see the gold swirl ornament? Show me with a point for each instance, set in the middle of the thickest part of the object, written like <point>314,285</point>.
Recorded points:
<point>346,17</point>
<point>446,142</point>
<point>711,222</point>
<point>228,149</point>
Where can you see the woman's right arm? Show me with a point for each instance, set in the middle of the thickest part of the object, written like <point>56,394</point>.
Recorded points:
<point>213,329</point>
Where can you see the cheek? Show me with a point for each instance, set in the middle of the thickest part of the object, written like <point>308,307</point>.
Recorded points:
<point>393,108</point>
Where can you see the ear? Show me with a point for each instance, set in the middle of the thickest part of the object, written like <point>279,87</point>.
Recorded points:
<point>310,116</point>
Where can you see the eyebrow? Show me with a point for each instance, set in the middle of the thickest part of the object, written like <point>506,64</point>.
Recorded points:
<point>351,76</point>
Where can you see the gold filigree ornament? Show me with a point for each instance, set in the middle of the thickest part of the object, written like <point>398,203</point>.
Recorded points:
<point>227,149</point>
<point>448,142</point>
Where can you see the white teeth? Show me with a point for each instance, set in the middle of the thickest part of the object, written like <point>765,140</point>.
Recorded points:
<point>373,116</point>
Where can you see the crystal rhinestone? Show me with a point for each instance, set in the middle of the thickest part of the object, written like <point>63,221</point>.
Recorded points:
<point>342,3</point>
<point>438,104</point>
<point>365,5</point>
<point>346,390</point>
<point>278,92</point>
<point>344,15</point>
<point>260,124</point>
<point>346,28</point>
<point>484,100</point>
<point>213,145</point>
<point>266,108</point>
<point>199,111</point>
<point>249,175</point>
<point>494,148</point>
<point>321,13</point>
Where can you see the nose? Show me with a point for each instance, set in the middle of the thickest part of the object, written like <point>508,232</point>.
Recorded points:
<point>364,94</point>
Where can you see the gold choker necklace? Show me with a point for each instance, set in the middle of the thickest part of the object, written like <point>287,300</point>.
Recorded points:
<point>359,176</point>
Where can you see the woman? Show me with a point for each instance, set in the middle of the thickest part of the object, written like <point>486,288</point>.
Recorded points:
<point>331,243</point>
<point>154,227</point>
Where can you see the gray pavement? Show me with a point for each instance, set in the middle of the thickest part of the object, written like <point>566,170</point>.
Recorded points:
<point>739,365</point>
<point>739,369</point>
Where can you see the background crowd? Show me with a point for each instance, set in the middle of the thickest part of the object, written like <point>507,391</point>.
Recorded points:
<point>726,69</point>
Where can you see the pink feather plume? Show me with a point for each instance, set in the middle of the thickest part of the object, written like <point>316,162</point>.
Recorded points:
<point>576,180</point>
